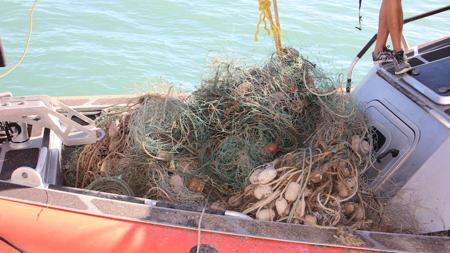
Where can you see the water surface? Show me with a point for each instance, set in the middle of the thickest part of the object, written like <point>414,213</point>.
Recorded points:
<point>117,47</point>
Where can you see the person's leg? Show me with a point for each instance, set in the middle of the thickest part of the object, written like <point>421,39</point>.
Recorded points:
<point>395,22</point>
<point>391,23</point>
<point>383,31</point>
<point>395,27</point>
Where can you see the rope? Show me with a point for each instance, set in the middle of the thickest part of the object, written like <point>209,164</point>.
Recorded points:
<point>27,42</point>
<point>199,230</point>
<point>359,27</point>
<point>9,243</point>
<point>265,16</point>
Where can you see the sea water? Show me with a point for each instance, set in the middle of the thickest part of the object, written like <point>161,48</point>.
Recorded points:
<point>119,47</point>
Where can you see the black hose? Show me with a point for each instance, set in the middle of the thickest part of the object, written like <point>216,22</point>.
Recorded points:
<point>367,46</point>
<point>426,14</point>
<point>11,245</point>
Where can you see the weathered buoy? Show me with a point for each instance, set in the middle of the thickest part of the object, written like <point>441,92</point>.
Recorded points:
<point>265,215</point>
<point>282,206</point>
<point>271,148</point>
<point>196,185</point>
<point>292,191</point>
<point>267,175</point>
<point>348,208</point>
<point>262,191</point>
<point>113,128</point>
<point>254,176</point>
<point>310,220</point>
<point>176,182</point>
<point>364,147</point>
<point>356,142</point>
<point>300,208</point>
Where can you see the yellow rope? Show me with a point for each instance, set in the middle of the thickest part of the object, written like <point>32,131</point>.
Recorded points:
<point>265,16</point>
<point>27,42</point>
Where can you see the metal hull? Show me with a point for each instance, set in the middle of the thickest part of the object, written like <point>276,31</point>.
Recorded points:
<point>39,229</point>
<point>63,219</point>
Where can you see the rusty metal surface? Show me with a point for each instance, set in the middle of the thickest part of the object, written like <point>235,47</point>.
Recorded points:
<point>104,206</point>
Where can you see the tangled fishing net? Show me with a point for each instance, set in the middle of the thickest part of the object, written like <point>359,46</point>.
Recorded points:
<point>278,142</point>
<point>139,149</point>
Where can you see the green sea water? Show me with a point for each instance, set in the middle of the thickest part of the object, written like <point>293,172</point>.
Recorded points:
<point>119,47</point>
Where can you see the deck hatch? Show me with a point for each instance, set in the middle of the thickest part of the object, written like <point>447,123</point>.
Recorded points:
<point>396,135</point>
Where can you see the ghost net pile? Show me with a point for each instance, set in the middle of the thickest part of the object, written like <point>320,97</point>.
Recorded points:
<point>278,142</point>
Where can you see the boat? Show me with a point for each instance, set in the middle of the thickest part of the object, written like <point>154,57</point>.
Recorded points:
<point>410,114</point>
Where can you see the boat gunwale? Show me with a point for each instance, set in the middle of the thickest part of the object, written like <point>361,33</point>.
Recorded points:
<point>117,207</point>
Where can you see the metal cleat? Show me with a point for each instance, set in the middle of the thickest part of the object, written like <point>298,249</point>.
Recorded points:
<point>27,176</point>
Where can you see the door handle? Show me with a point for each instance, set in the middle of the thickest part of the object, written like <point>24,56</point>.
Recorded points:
<point>394,152</point>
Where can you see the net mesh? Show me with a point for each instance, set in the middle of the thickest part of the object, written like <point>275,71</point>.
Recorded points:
<point>286,115</point>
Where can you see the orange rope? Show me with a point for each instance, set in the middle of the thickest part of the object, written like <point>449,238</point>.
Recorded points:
<point>265,16</point>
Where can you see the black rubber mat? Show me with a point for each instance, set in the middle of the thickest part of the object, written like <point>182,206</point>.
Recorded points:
<point>438,54</point>
<point>436,76</point>
<point>415,62</point>
<point>17,158</point>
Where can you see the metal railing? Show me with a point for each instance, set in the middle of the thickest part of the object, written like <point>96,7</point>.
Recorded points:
<point>374,38</point>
